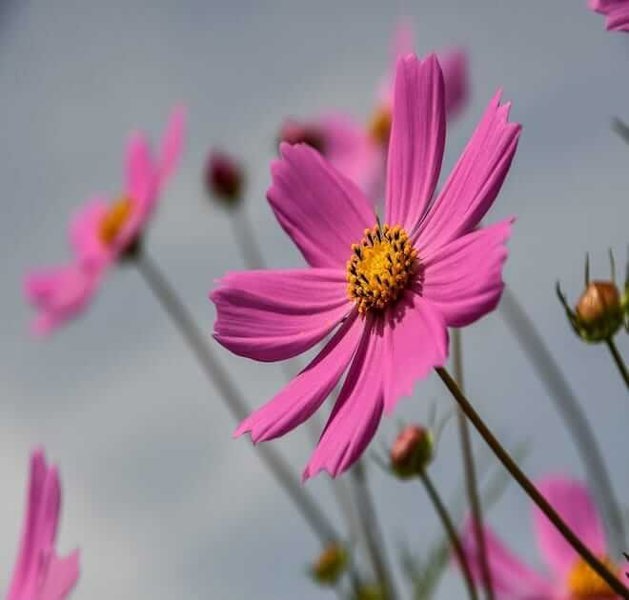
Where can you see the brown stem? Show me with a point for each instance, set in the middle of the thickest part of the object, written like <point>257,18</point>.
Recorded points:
<point>530,489</point>
<point>620,363</point>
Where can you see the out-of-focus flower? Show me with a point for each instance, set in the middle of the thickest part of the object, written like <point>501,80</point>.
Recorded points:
<point>102,233</point>
<point>370,592</point>
<point>389,290</point>
<point>598,314</point>
<point>330,565</point>
<point>39,573</point>
<point>359,152</point>
<point>412,451</point>
<point>569,575</point>
<point>615,11</point>
<point>224,178</point>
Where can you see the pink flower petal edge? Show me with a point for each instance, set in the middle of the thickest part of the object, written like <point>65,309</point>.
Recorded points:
<point>39,574</point>
<point>615,11</point>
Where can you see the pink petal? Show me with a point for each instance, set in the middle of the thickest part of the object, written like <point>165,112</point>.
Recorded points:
<point>172,143</point>
<point>84,233</point>
<point>305,393</point>
<point>475,181</point>
<point>618,20</point>
<point>416,339</point>
<point>454,65</point>
<point>512,579</point>
<point>417,140</point>
<point>320,209</point>
<point>140,170</point>
<point>61,577</point>
<point>357,411</point>
<point>572,500</point>
<point>274,315</point>
<point>463,279</point>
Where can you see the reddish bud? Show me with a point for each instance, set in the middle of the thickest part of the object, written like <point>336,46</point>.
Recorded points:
<point>412,451</point>
<point>296,132</point>
<point>224,177</point>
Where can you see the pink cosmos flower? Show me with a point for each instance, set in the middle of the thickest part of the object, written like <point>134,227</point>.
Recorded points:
<point>385,292</point>
<point>39,574</point>
<point>102,232</point>
<point>569,577</point>
<point>359,151</point>
<point>615,11</point>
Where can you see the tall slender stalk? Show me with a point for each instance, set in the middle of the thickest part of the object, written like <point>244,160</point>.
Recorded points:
<point>246,239</point>
<point>450,529</point>
<point>620,363</point>
<point>469,470</point>
<point>218,376</point>
<point>530,489</point>
<point>568,407</point>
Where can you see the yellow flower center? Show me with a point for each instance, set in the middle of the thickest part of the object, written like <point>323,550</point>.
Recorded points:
<point>380,126</point>
<point>115,219</point>
<point>584,582</point>
<point>380,267</point>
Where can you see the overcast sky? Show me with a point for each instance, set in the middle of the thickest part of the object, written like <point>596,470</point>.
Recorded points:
<point>160,499</point>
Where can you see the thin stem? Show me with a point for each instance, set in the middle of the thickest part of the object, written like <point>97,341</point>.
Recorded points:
<point>568,407</point>
<point>373,534</point>
<point>246,239</point>
<point>471,483</point>
<point>170,302</point>
<point>450,529</point>
<point>620,363</point>
<point>526,484</point>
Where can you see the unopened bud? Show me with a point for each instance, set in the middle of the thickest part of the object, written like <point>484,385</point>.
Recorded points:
<point>370,592</point>
<point>224,177</point>
<point>296,132</point>
<point>330,565</point>
<point>412,451</point>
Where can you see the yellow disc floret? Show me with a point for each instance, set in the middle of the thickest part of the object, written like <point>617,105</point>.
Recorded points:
<point>380,126</point>
<point>585,583</point>
<point>115,219</point>
<point>381,267</point>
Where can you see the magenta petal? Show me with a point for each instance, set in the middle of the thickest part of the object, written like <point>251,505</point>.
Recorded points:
<point>572,500</point>
<point>357,411</point>
<point>172,143</point>
<point>463,279</point>
<point>454,65</point>
<point>416,341</point>
<point>306,392</point>
<point>475,181</point>
<point>274,315</point>
<point>62,575</point>
<point>618,19</point>
<point>417,140</point>
<point>84,231</point>
<point>512,579</point>
<point>140,169</point>
<point>320,209</point>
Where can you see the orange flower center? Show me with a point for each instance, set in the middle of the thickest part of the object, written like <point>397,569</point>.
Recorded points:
<point>114,219</point>
<point>380,267</point>
<point>584,582</point>
<point>380,126</point>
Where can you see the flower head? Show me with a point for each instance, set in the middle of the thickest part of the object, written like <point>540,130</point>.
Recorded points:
<point>102,232</point>
<point>330,564</point>
<point>615,11</point>
<point>39,573</point>
<point>568,575</point>
<point>385,292</point>
<point>224,177</point>
<point>412,451</point>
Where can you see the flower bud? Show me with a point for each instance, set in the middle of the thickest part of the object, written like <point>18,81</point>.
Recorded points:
<point>330,565</point>
<point>296,132</point>
<point>412,451</point>
<point>370,592</point>
<point>224,177</point>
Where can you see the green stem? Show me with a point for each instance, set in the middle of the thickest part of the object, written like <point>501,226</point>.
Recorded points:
<point>620,363</point>
<point>450,529</point>
<point>530,489</point>
<point>471,483</point>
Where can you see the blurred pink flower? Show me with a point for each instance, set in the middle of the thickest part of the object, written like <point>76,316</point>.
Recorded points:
<point>101,232</point>
<point>568,576</point>
<point>392,290</point>
<point>358,151</point>
<point>39,574</point>
<point>615,11</point>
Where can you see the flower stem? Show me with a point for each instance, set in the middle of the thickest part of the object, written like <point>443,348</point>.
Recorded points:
<point>620,363</point>
<point>373,534</point>
<point>530,489</point>
<point>174,307</point>
<point>471,483</point>
<point>567,404</point>
<point>450,529</point>
<point>246,239</point>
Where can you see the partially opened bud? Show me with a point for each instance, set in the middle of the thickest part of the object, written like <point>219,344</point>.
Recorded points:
<point>330,565</point>
<point>224,177</point>
<point>412,451</point>
<point>296,132</point>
